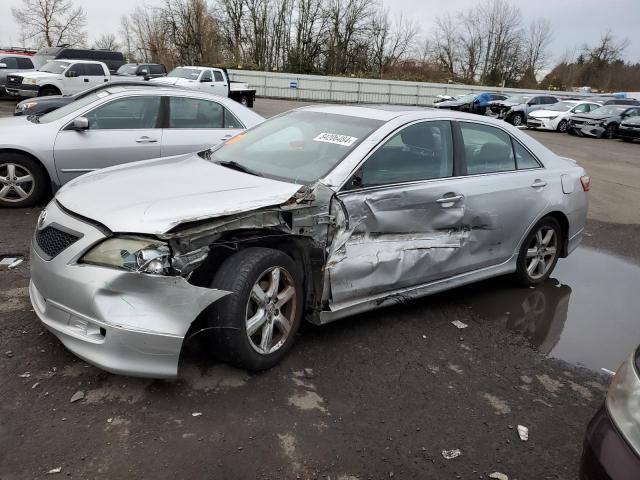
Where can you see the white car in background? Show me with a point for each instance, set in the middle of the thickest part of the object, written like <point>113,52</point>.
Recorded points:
<point>556,117</point>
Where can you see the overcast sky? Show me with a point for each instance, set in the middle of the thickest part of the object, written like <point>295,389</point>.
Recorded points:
<point>574,21</point>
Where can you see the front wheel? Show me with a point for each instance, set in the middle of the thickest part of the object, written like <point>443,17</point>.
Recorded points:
<point>255,325</point>
<point>517,119</point>
<point>23,182</point>
<point>48,91</point>
<point>562,126</point>
<point>539,253</point>
<point>609,132</point>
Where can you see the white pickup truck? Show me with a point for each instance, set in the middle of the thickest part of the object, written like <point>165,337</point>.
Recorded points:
<point>209,79</point>
<point>61,77</point>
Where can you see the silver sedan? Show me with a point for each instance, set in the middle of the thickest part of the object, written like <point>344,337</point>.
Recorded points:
<point>319,213</point>
<point>109,127</point>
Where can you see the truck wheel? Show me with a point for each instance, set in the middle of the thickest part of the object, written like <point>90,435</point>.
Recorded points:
<point>23,182</point>
<point>255,325</point>
<point>244,100</point>
<point>48,91</point>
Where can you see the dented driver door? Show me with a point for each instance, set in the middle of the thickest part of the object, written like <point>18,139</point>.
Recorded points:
<point>400,217</point>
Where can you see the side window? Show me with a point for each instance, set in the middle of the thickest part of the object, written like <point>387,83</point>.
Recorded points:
<point>583,108</point>
<point>550,100</point>
<point>487,149</point>
<point>93,70</point>
<point>524,159</point>
<point>11,62</point>
<point>421,151</point>
<point>129,113</point>
<point>156,69</point>
<point>24,63</point>
<point>535,101</point>
<point>195,113</point>
<point>78,68</point>
<point>206,76</point>
<point>230,120</point>
<point>217,75</point>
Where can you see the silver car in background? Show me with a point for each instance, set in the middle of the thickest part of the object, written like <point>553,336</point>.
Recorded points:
<point>319,213</point>
<point>111,126</point>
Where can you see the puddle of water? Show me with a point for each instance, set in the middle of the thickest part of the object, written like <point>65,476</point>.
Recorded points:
<point>587,313</point>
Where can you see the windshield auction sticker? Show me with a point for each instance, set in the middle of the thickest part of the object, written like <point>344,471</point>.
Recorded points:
<point>344,140</point>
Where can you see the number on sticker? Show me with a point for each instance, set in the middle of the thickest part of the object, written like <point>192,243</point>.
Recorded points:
<point>344,140</point>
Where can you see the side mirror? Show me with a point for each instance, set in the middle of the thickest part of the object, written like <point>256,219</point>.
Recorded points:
<point>3,65</point>
<point>79,124</point>
<point>71,73</point>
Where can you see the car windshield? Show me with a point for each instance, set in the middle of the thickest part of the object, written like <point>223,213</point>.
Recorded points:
<point>298,147</point>
<point>188,73</point>
<point>612,109</point>
<point>72,107</point>
<point>55,66</point>
<point>128,69</point>
<point>519,99</point>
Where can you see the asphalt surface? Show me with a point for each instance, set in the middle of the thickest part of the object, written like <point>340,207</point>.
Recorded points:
<point>379,395</point>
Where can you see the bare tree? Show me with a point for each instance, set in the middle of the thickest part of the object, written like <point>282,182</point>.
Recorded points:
<point>446,44</point>
<point>107,41</point>
<point>232,17</point>
<point>310,27</point>
<point>607,50</point>
<point>536,44</point>
<point>390,41</point>
<point>51,22</point>
<point>346,42</point>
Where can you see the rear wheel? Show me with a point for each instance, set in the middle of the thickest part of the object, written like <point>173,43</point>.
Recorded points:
<point>539,252</point>
<point>244,100</point>
<point>23,182</point>
<point>48,91</point>
<point>562,126</point>
<point>256,324</point>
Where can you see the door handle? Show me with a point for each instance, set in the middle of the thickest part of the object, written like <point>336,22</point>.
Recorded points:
<point>146,139</point>
<point>538,183</point>
<point>452,199</point>
<point>227,137</point>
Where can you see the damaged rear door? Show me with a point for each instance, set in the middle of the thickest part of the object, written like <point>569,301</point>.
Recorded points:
<point>400,216</point>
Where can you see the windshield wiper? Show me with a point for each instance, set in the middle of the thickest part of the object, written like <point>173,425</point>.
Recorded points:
<point>236,166</point>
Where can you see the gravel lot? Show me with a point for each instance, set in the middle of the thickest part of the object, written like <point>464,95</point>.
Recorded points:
<point>380,395</point>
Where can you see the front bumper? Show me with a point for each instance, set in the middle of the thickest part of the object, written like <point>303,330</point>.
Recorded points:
<point>606,455</point>
<point>125,323</point>
<point>542,123</point>
<point>23,92</point>
<point>586,130</point>
<point>626,132</point>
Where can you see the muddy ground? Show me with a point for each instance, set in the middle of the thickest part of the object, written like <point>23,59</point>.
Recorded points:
<point>379,395</point>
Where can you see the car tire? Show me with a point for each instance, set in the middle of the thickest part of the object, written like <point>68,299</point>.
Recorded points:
<point>562,126</point>
<point>48,91</point>
<point>244,100</point>
<point>517,119</point>
<point>14,185</point>
<point>539,253</point>
<point>626,139</point>
<point>259,344</point>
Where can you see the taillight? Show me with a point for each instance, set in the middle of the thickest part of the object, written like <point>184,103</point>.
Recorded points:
<point>586,182</point>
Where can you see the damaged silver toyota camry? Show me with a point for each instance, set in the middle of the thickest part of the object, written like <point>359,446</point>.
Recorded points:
<point>319,213</point>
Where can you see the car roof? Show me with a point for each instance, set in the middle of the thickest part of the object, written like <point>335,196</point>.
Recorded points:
<point>162,90</point>
<point>11,54</point>
<point>75,60</point>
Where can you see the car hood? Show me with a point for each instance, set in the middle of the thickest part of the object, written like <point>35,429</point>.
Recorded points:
<point>153,196</point>
<point>10,126</point>
<point>451,103</point>
<point>38,74</point>
<point>592,116</point>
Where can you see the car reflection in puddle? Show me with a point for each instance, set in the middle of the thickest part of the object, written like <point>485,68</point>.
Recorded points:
<point>587,313</point>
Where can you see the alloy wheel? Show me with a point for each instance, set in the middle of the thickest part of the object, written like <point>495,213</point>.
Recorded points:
<point>16,183</point>
<point>541,252</point>
<point>517,120</point>
<point>271,310</point>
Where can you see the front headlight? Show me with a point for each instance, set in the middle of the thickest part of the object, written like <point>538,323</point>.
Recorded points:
<point>133,254</point>
<point>623,402</point>
<point>30,81</point>
<point>21,107</point>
